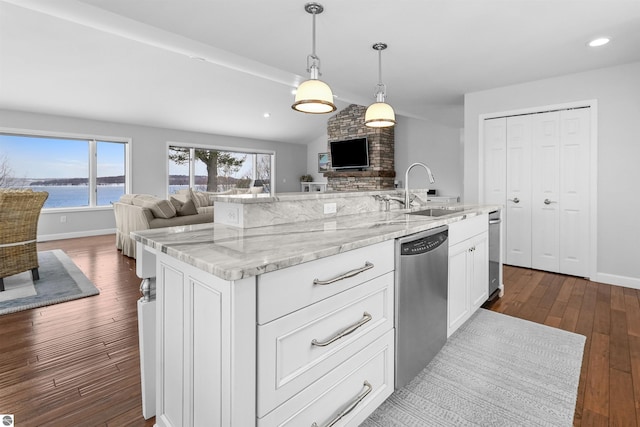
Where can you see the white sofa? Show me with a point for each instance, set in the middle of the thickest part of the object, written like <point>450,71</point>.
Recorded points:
<point>134,212</point>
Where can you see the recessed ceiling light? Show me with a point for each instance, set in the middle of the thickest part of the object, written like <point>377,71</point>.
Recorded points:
<point>266,115</point>
<point>600,41</point>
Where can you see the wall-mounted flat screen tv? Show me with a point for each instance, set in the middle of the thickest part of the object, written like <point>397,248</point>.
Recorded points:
<point>350,154</point>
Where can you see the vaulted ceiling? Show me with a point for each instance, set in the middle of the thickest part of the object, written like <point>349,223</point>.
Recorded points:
<point>217,66</point>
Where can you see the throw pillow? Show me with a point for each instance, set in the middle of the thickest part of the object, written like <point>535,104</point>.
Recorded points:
<point>184,209</point>
<point>159,207</point>
<point>199,199</point>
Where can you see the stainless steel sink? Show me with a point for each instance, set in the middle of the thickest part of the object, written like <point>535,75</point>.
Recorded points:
<point>437,211</point>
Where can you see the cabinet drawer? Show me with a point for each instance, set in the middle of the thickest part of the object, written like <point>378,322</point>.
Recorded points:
<point>325,399</point>
<point>467,228</point>
<point>284,291</point>
<point>300,348</point>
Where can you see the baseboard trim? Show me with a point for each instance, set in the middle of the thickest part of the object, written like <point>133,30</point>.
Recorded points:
<point>612,279</point>
<point>75,234</point>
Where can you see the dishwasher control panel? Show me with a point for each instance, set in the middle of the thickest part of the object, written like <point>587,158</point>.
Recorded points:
<point>426,244</point>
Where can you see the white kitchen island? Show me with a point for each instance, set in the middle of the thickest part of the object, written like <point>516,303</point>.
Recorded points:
<point>291,324</point>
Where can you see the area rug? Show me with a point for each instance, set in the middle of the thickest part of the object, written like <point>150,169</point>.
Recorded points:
<point>496,370</point>
<point>60,280</point>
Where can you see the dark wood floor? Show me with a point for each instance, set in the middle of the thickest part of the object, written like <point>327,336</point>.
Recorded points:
<point>77,363</point>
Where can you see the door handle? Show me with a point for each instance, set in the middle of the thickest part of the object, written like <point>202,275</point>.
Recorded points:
<point>548,202</point>
<point>515,200</point>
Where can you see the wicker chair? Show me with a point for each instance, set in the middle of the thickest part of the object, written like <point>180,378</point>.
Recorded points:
<point>19,213</point>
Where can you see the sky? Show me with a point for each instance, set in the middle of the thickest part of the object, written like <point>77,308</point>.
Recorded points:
<point>40,158</point>
<point>58,158</point>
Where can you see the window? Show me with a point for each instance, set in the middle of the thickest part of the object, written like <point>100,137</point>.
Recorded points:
<point>218,170</point>
<point>75,172</point>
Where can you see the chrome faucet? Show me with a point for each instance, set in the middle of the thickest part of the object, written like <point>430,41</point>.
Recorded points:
<point>387,200</point>
<point>407,198</point>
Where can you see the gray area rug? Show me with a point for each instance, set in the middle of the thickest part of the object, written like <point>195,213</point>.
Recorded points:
<point>495,370</point>
<point>60,280</point>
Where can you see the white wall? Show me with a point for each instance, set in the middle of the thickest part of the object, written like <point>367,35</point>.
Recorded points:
<point>149,163</point>
<point>318,145</point>
<point>617,91</point>
<point>436,145</point>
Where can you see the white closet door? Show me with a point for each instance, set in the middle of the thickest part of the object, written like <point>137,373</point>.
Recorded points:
<point>545,243</point>
<point>495,160</point>
<point>574,191</point>
<point>518,206</point>
<point>495,167</point>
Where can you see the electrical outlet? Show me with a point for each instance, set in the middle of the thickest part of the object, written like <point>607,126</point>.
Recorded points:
<point>330,208</point>
<point>63,218</point>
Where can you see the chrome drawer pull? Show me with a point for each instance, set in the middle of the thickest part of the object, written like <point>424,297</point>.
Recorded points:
<point>367,266</point>
<point>351,406</point>
<point>365,318</point>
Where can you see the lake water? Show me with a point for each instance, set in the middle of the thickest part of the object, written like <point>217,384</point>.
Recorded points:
<point>66,196</point>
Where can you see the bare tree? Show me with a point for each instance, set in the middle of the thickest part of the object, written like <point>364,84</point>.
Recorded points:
<point>228,164</point>
<point>263,168</point>
<point>6,173</point>
<point>215,161</point>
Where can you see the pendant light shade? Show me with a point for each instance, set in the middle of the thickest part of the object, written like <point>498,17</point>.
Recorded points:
<point>314,96</point>
<point>380,114</point>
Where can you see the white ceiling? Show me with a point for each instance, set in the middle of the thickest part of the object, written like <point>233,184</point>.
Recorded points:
<point>131,61</point>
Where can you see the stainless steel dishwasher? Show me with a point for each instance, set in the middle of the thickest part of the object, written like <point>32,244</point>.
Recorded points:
<point>422,274</point>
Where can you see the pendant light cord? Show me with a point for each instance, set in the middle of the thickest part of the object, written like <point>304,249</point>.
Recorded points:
<point>379,66</point>
<point>313,35</point>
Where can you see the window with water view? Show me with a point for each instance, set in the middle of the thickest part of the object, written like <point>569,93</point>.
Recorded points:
<point>75,172</point>
<point>218,170</point>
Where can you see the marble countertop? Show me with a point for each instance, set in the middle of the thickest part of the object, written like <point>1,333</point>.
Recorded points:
<point>294,196</point>
<point>232,253</point>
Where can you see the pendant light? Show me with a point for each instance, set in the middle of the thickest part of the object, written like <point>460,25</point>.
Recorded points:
<point>314,96</point>
<point>380,114</point>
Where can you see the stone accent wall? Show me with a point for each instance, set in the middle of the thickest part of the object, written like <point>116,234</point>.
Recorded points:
<point>349,124</point>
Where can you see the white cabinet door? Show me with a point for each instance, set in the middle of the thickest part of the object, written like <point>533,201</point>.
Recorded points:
<point>458,297</point>
<point>205,348</point>
<point>575,135</point>
<point>518,182</point>
<point>479,263</point>
<point>468,269</point>
<point>545,242</point>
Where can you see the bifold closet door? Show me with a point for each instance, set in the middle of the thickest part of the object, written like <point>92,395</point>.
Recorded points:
<point>575,161</point>
<point>538,166</point>
<point>518,227</point>
<point>495,168</point>
<point>560,196</point>
<point>545,242</point>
